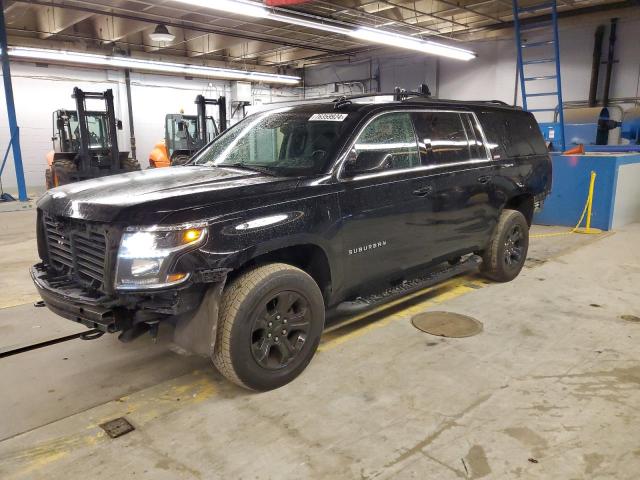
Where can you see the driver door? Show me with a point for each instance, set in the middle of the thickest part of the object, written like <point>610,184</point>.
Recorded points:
<point>383,203</point>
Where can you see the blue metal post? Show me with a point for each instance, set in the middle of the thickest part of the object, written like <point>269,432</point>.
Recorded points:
<point>554,14</point>
<point>14,132</point>
<point>516,28</point>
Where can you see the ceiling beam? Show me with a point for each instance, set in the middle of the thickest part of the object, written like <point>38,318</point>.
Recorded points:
<point>191,25</point>
<point>109,29</point>
<point>52,20</point>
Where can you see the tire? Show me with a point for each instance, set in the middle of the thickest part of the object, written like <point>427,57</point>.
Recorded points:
<point>180,160</point>
<point>48,179</point>
<point>249,346</point>
<point>506,253</point>
<point>130,165</point>
<point>62,172</point>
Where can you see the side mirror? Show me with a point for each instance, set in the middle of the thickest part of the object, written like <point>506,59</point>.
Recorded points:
<point>367,161</point>
<point>119,124</point>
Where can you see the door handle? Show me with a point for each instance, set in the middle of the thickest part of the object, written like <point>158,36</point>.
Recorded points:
<point>424,191</point>
<point>484,179</point>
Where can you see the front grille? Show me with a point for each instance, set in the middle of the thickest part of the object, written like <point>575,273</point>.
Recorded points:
<point>77,249</point>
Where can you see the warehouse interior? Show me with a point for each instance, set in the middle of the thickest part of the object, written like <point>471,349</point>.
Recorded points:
<point>547,387</point>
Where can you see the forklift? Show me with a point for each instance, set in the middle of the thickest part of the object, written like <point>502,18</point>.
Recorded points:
<point>184,135</point>
<point>85,143</point>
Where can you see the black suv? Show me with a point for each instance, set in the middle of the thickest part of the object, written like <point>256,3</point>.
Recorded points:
<point>292,215</point>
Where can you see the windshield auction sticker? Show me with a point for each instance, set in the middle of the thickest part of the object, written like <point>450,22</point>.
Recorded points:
<point>328,117</point>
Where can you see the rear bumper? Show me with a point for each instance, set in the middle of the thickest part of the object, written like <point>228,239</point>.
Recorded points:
<point>73,303</point>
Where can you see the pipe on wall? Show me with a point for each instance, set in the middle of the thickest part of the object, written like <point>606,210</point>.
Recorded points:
<point>610,59</point>
<point>132,132</point>
<point>595,66</point>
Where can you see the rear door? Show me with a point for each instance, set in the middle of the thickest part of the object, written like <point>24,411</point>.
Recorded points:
<point>462,205</point>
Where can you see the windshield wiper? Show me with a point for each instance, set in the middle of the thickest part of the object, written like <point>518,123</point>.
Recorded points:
<point>253,168</point>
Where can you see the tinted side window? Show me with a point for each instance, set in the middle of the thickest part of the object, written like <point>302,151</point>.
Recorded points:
<point>512,134</point>
<point>476,145</point>
<point>391,133</point>
<point>442,137</point>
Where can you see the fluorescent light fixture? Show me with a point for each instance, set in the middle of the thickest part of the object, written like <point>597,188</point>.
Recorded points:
<point>149,65</point>
<point>237,7</point>
<point>253,9</point>
<point>402,41</point>
<point>327,27</point>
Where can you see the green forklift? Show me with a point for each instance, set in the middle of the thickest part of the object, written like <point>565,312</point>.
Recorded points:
<point>85,142</point>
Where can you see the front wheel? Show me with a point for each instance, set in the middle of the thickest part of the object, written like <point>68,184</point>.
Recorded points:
<point>130,165</point>
<point>506,253</point>
<point>270,323</point>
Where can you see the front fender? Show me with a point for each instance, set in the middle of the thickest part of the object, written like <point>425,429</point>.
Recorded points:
<point>196,333</point>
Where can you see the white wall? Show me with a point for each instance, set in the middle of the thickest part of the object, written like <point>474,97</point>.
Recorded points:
<point>39,91</point>
<point>492,74</point>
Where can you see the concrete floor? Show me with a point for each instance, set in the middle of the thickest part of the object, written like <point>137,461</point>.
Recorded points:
<point>549,389</point>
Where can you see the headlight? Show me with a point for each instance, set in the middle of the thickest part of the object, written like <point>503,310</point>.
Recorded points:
<point>146,255</point>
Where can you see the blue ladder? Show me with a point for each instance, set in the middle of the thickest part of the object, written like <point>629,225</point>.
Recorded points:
<point>551,40</point>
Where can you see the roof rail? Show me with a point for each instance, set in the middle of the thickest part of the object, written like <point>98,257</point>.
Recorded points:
<point>405,95</point>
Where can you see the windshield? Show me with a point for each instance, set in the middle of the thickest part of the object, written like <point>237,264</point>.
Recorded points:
<point>96,127</point>
<point>284,143</point>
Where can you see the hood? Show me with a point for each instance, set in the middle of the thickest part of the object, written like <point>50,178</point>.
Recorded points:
<point>146,197</point>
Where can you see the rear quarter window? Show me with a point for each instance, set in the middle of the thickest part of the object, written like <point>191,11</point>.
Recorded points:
<point>512,134</point>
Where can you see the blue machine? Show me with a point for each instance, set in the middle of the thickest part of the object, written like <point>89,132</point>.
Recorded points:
<point>631,125</point>
<point>608,126</point>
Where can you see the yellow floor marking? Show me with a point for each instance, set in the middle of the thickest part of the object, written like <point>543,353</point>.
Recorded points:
<point>140,409</point>
<point>455,288</point>
<point>147,405</point>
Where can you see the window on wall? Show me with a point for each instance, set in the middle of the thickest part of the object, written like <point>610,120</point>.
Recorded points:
<point>442,137</point>
<point>390,133</point>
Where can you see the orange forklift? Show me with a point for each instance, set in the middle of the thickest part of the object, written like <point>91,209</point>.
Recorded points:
<point>85,143</point>
<point>184,135</point>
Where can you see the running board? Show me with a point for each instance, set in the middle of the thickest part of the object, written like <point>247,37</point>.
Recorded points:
<point>409,286</point>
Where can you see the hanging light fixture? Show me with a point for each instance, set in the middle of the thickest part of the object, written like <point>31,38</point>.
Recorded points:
<point>162,34</point>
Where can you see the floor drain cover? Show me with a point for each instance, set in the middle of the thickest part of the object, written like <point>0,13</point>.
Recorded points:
<point>447,324</point>
<point>118,427</point>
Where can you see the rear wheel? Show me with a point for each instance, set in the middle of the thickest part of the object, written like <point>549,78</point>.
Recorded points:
<point>62,172</point>
<point>180,159</point>
<point>269,326</point>
<point>130,165</point>
<point>506,253</point>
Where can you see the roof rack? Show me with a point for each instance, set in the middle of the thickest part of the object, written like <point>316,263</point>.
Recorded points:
<point>405,95</point>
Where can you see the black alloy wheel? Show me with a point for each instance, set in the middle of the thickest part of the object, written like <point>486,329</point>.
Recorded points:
<point>280,329</point>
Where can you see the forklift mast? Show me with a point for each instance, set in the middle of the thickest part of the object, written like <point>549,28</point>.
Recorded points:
<point>202,103</point>
<point>85,140</point>
<point>62,130</point>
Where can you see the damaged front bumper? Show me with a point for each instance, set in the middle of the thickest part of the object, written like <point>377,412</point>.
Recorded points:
<point>191,309</point>
<point>72,302</point>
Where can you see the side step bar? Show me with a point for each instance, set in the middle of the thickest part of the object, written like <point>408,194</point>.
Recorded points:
<point>409,286</point>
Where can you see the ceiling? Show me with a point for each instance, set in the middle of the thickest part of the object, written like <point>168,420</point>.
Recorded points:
<point>204,35</point>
